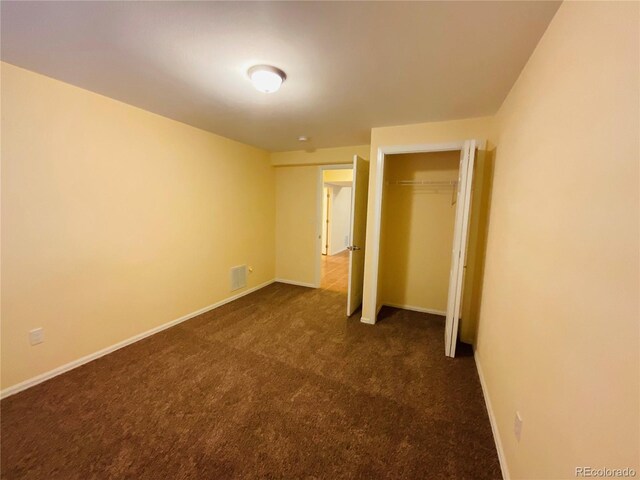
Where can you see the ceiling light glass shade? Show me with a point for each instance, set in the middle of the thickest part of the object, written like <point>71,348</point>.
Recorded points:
<point>266,78</point>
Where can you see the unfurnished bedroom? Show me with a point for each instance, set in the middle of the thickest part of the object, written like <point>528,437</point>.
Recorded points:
<point>329,240</point>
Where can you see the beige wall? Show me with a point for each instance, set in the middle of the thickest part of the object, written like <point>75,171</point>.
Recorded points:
<point>342,175</point>
<point>339,219</point>
<point>417,231</point>
<point>423,133</point>
<point>116,220</point>
<point>298,209</point>
<point>559,325</point>
<point>297,225</point>
<point>321,156</point>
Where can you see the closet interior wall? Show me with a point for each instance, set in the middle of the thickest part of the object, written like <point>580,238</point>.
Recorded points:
<point>418,215</point>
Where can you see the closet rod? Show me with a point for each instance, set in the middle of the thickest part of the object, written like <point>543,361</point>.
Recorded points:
<point>435,184</point>
<point>448,183</point>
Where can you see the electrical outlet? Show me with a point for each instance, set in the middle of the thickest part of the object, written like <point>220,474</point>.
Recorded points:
<point>36,336</point>
<point>517,426</point>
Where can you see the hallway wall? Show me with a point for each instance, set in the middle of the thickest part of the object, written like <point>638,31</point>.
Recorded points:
<point>340,221</point>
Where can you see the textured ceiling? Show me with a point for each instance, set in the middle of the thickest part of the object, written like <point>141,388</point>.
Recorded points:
<point>351,66</point>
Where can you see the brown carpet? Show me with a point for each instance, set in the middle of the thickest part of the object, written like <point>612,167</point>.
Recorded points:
<point>278,384</point>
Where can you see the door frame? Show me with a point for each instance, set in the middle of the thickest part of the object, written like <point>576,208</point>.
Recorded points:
<point>324,245</point>
<point>370,302</point>
<point>320,191</point>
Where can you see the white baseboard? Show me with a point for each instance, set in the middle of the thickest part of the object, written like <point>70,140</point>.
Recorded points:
<point>492,420</point>
<point>417,309</point>
<point>100,353</point>
<point>295,282</point>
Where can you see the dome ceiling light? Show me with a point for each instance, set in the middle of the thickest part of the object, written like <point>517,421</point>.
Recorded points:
<point>266,78</point>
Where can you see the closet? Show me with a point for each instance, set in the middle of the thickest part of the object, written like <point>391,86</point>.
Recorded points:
<point>427,216</point>
<point>417,230</point>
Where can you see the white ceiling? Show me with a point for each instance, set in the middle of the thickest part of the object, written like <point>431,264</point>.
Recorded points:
<point>351,66</point>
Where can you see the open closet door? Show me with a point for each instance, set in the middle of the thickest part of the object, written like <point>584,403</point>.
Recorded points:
<point>459,252</point>
<point>359,197</point>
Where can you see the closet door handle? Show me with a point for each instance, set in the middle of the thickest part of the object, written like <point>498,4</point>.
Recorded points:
<point>353,247</point>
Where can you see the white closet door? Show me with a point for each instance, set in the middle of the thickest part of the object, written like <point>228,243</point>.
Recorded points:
<point>459,252</point>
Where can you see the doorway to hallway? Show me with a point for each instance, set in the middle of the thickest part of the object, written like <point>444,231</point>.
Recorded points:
<point>335,272</point>
<point>336,217</point>
<point>350,184</point>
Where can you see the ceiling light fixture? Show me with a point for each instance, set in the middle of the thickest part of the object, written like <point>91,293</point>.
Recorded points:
<point>266,78</point>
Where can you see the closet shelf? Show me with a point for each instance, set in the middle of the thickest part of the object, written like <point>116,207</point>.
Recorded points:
<point>431,186</point>
<point>424,183</point>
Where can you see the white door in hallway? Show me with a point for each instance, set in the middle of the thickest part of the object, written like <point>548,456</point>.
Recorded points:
<point>359,197</point>
<point>459,251</point>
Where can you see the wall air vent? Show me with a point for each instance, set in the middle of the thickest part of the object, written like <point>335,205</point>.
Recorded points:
<point>238,277</point>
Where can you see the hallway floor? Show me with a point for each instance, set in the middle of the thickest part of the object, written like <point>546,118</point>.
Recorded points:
<point>277,384</point>
<point>335,272</point>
